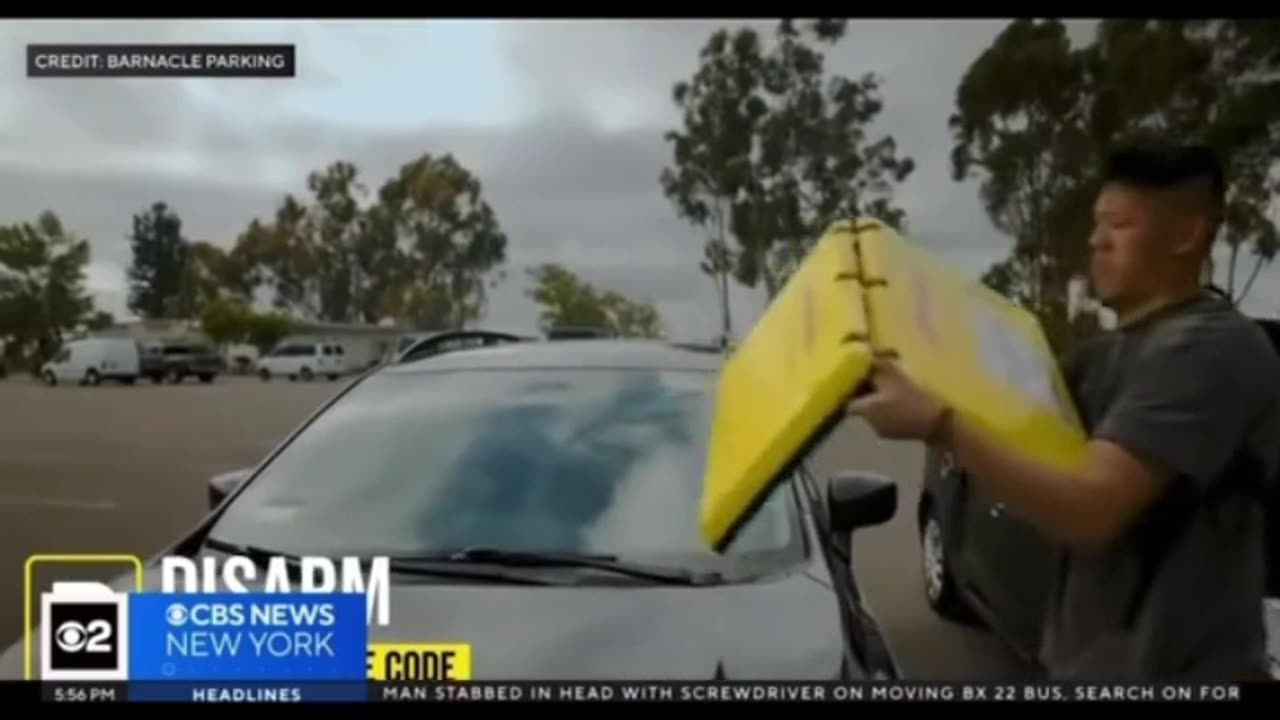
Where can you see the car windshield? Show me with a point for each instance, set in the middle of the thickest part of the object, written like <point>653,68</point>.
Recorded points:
<point>582,461</point>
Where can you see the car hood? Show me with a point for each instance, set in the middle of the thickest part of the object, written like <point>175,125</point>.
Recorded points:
<point>784,627</point>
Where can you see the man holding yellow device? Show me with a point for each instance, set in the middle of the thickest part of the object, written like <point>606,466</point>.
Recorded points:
<point>1161,526</point>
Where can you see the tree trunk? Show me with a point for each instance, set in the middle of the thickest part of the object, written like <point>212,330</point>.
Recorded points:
<point>725,313</point>
<point>1231,270</point>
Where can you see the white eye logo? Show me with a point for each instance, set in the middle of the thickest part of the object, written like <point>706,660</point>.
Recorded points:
<point>71,636</point>
<point>176,614</point>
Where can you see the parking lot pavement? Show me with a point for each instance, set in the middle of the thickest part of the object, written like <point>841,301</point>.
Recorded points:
<point>124,469</point>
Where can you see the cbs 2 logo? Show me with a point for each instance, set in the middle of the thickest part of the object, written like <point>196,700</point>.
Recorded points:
<point>74,637</point>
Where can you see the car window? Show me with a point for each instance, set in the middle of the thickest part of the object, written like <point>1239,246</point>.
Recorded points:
<point>434,347</point>
<point>457,343</point>
<point>176,350</point>
<point>590,461</point>
<point>328,349</point>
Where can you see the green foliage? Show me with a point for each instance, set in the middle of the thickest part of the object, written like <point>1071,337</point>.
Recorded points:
<point>713,153</point>
<point>568,300</point>
<point>1033,116</point>
<point>227,321</point>
<point>265,330</point>
<point>160,257</point>
<point>424,250</point>
<point>213,274</point>
<point>42,287</point>
<point>100,320</point>
<point>773,150</point>
<point>1215,82</point>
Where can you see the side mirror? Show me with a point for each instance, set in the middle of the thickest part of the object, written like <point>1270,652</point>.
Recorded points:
<point>857,499</point>
<point>220,486</point>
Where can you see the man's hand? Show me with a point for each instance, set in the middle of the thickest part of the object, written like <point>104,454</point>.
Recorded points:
<point>897,408</point>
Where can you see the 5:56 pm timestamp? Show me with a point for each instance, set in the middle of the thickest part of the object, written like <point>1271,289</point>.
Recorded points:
<point>83,692</point>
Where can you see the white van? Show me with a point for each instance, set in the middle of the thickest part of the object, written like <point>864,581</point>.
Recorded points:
<point>89,362</point>
<point>304,359</point>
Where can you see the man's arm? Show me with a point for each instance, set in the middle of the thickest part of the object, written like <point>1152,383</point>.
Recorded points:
<point>1084,509</point>
<point>1182,413</point>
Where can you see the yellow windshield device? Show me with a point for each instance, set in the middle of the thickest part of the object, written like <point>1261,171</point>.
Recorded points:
<point>862,290</point>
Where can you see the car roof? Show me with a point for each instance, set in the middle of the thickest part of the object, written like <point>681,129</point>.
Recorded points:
<point>568,354</point>
<point>1272,328</point>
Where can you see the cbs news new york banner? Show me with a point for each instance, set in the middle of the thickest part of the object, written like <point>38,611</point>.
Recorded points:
<point>202,637</point>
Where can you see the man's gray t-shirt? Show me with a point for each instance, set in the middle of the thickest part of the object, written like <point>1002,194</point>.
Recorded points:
<point>1194,390</point>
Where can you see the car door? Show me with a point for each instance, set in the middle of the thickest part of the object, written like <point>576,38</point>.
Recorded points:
<point>1010,565</point>
<point>328,360</point>
<point>284,360</point>
<point>315,359</point>
<point>298,357</point>
<point>83,357</point>
<point>61,365</point>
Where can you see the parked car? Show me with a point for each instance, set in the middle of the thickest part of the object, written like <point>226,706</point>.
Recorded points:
<point>982,565</point>
<point>93,360</point>
<point>304,360</point>
<point>402,343</point>
<point>176,361</point>
<point>578,332</point>
<point>439,343</point>
<point>539,501</point>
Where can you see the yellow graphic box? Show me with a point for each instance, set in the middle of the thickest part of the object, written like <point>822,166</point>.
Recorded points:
<point>418,662</point>
<point>28,591</point>
<point>863,290</point>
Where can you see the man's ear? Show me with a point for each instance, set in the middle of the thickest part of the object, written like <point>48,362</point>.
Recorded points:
<point>1197,237</point>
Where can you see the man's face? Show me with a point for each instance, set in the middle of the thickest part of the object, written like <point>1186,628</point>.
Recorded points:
<point>1135,245</point>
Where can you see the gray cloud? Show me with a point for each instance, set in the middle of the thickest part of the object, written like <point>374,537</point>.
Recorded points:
<point>919,63</point>
<point>564,193</point>
<point>565,189</point>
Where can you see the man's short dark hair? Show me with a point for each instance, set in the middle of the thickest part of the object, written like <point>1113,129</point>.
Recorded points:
<point>1189,168</point>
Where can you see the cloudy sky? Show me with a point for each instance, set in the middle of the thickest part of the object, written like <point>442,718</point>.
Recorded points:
<point>562,121</point>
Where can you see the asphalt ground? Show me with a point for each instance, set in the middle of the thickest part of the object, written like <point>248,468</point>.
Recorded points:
<point>115,469</point>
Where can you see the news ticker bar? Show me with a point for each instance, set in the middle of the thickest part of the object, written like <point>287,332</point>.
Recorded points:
<point>1267,693</point>
<point>245,61</point>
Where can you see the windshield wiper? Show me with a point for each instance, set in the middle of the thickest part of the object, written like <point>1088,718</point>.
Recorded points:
<point>604,563</point>
<point>260,556</point>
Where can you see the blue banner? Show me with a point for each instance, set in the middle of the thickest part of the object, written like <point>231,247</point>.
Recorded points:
<point>247,636</point>
<point>256,692</point>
